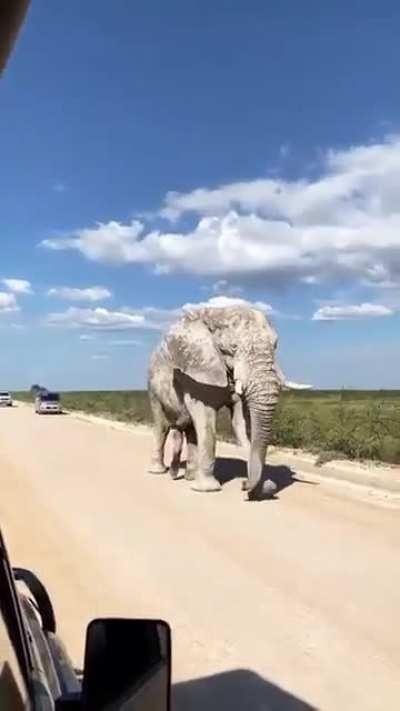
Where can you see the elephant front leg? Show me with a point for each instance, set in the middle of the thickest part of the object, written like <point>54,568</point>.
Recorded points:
<point>160,432</point>
<point>241,430</point>
<point>240,426</point>
<point>191,454</point>
<point>204,419</point>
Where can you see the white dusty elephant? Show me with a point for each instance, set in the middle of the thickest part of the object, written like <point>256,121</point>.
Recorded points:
<point>215,357</point>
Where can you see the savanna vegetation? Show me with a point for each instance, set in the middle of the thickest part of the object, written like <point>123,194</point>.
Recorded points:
<point>352,424</point>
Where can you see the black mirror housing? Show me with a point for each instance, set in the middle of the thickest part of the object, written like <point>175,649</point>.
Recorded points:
<point>127,665</point>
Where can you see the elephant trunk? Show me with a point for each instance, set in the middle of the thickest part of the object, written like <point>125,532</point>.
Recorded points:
<point>260,382</point>
<point>261,432</point>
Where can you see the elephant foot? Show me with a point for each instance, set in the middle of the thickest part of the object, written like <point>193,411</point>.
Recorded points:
<point>266,491</point>
<point>157,468</point>
<point>206,483</point>
<point>269,489</point>
<point>190,474</point>
<point>174,471</point>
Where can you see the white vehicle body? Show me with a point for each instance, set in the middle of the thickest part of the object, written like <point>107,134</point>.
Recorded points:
<point>5,399</point>
<point>48,404</point>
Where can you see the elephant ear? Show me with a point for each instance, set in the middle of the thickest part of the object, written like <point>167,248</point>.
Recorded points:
<point>193,352</point>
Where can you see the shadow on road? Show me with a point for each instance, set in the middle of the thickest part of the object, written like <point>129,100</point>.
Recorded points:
<point>238,690</point>
<point>227,468</point>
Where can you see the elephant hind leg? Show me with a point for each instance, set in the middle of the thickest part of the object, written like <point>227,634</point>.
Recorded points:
<point>177,441</point>
<point>160,432</point>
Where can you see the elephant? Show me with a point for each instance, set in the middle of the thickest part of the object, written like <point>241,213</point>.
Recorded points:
<point>211,358</point>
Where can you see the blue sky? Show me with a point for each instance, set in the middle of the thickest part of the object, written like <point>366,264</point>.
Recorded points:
<point>157,154</point>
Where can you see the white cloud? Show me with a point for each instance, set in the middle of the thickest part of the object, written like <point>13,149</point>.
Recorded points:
<point>86,337</point>
<point>353,312</point>
<point>342,226</point>
<point>8,302</point>
<point>96,318</point>
<point>100,356</point>
<point>309,280</point>
<point>18,286</point>
<point>154,318</point>
<point>360,180</point>
<point>92,293</point>
<point>113,243</point>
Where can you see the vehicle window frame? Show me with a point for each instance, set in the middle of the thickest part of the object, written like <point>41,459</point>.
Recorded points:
<point>12,616</point>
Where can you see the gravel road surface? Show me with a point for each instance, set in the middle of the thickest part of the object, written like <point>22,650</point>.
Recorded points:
<point>287,604</point>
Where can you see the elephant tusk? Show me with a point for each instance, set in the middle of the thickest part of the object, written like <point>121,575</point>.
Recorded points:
<point>289,384</point>
<point>297,386</point>
<point>238,387</point>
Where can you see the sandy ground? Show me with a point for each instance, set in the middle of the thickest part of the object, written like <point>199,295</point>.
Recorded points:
<point>284,604</point>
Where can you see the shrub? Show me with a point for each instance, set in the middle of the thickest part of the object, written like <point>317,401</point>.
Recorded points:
<point>287,427</point>
<point>390,450</point>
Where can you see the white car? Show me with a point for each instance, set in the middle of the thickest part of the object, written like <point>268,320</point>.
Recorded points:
<point>48,404</point>
<point>5,399</point>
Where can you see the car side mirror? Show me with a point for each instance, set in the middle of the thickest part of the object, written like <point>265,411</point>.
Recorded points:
<point>127,666</point>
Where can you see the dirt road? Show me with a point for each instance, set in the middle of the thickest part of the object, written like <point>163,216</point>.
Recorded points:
<point>285,604</point>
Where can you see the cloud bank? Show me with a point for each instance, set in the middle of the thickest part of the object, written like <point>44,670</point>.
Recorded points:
<point>343,227</point>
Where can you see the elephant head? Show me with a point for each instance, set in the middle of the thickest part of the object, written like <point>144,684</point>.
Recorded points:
<point>230,352</point>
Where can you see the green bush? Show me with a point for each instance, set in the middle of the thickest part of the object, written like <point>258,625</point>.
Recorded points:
<point>287,427</point>
<point>390,450</point>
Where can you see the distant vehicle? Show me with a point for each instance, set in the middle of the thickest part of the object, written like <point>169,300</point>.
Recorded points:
<point>48,403</point>
<point>5,399</point>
